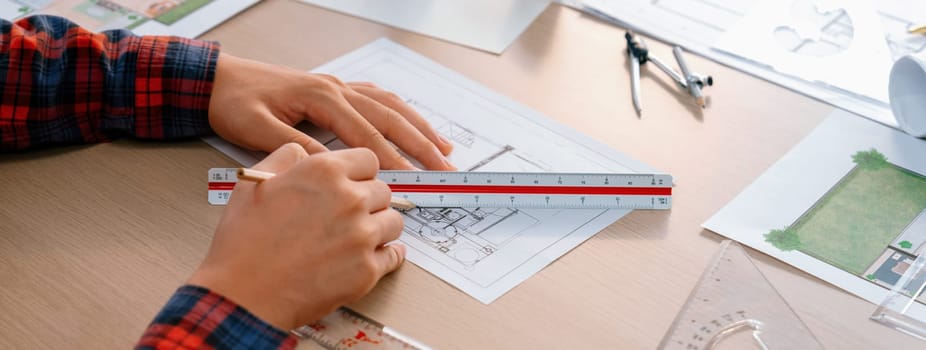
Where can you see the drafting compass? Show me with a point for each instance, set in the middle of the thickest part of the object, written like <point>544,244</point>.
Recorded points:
<point>688,80</point>
<point>733,299</point>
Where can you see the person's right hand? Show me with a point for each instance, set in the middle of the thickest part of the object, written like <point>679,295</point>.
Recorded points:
<point>293,248</point>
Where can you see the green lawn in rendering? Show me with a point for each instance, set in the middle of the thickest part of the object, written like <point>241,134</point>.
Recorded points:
<point>853,224</point>
<point>178,12</point>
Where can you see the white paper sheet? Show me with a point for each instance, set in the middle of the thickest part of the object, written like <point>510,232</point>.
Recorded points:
<point>837,43</point>
<point>697,25</point>
<point>488,25</point>
<point>483,252</point>
<point>144,17</point>
<point>858,227</point>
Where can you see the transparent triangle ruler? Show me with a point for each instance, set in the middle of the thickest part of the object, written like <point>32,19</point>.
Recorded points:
<point>904,309</point>
<point>733,306</point>
<point>346,329</point>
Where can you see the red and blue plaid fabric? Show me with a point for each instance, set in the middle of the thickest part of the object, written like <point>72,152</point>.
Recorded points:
<point>63,84</point>
<point>196,318</point>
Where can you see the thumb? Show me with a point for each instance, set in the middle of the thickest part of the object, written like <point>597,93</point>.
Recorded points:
<point>390,257</point>
<point>282,159</point>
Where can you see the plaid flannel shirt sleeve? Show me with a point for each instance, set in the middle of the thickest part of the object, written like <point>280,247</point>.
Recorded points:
<point>63,84</point>
<point>196,318</point>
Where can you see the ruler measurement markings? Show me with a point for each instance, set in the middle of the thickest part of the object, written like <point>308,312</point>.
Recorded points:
<point>508,189</point>
<point>577,179</point>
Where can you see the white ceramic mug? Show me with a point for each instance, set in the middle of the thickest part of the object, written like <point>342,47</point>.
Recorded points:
<point>907,90</point>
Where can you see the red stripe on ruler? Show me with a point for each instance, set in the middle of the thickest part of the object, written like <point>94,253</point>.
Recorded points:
<point>221,186</point>
<point>587,190</point>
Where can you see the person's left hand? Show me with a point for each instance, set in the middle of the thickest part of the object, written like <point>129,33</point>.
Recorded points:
<point>254,105</point>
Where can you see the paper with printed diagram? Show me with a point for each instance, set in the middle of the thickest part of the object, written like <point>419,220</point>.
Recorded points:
<point>484,252</point>
<point>847,205</point>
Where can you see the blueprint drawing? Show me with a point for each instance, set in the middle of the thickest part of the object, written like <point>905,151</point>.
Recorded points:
<point>484,252</point>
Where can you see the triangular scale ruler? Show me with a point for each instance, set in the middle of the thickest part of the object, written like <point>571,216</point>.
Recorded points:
<point>734,297</point>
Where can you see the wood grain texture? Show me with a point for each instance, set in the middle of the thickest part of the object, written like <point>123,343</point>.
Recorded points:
<point>94,239</point>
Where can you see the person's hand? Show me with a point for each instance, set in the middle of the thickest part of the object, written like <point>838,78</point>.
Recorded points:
<point>255,105</point>
<point>293,248</point>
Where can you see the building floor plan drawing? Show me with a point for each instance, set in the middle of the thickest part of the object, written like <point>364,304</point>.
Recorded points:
<point>484,252</point>
<point>466,234</point>
<point>700,25</point>
<point>187,18</point>
<point>847,204</point>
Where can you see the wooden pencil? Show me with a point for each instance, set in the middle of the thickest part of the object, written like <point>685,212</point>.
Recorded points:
<point>259,176</point>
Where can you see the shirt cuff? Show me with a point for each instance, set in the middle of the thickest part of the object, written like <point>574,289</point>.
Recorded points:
<point>195,317</point>
<point>173,85</point>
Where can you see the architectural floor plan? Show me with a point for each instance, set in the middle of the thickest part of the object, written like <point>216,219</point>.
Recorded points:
<point>188,18</point>
<point>484,252</point>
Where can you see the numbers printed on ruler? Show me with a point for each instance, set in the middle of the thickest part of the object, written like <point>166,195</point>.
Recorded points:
<point>444,189</point>
<point>531,190</point>
<point>221,183</point>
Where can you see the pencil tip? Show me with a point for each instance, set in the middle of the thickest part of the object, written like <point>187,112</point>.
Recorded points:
<point>401,204</point>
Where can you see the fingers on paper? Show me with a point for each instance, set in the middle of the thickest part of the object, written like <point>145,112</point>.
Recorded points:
<point>397,104</point>
<point>355,131</point>
<point>393,126</point>
<point>400,128</point>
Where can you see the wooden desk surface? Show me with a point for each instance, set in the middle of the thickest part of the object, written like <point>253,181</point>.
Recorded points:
<point>94,239</point>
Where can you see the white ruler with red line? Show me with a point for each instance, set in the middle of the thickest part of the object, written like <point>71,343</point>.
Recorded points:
<point>505,189</point>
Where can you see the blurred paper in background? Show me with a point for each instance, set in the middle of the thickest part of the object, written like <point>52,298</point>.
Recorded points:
<point>488,25</point>
<point>838,43</point>
<point>699,25</point>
